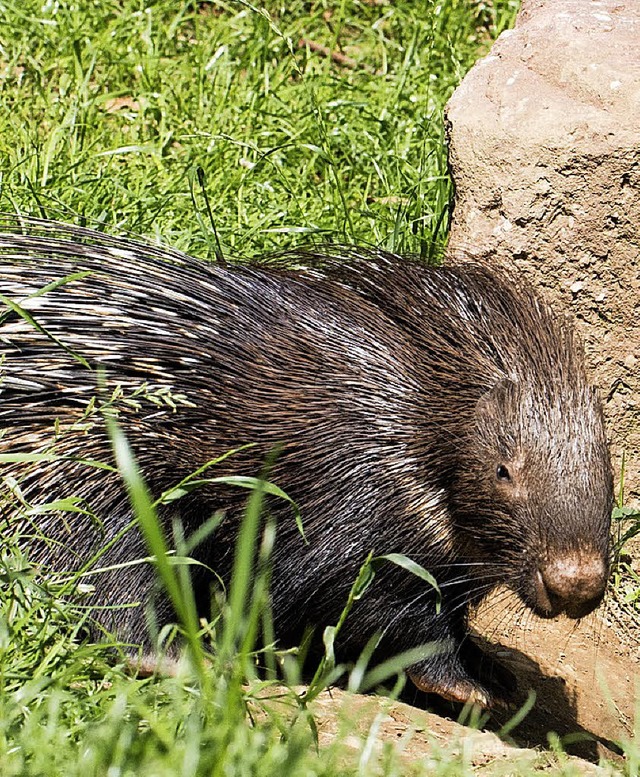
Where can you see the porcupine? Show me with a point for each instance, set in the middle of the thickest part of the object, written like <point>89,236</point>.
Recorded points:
<point>441,413</point>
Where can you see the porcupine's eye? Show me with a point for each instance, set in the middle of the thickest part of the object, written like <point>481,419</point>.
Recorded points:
<point>502,473</point>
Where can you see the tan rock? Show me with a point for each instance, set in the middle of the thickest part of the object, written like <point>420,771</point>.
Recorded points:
<point>545,153</point>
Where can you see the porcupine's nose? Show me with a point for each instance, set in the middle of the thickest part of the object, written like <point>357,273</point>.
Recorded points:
<point>573,583</point>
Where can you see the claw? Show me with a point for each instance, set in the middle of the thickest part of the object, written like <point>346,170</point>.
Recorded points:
<point>462,691</point>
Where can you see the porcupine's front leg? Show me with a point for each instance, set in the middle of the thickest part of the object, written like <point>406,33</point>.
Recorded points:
<point>456,668</point>
<point>463,672</point>
<point>453,666</point>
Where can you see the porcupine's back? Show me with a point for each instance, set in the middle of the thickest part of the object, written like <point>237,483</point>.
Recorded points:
<point>247,356</point>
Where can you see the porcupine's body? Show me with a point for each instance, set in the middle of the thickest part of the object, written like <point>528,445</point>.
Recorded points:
<point>439,413</point>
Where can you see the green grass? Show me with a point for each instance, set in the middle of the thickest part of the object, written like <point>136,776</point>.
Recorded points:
<point>107,112</point>
<point>108,108</point>
<point>626,576</point>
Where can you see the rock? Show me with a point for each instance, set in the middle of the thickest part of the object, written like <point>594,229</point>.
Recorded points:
<point>425,743</point>
<point>545,156</point>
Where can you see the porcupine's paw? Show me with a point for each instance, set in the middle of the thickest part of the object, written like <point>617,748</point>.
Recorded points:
<point>491,685</point>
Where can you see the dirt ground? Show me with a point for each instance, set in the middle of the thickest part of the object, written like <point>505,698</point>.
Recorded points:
<point>586,676</point>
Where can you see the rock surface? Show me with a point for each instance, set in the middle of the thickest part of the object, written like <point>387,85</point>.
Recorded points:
<point>545,153</point>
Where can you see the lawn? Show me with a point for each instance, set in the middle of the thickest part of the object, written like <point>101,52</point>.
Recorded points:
<point>310,121</point>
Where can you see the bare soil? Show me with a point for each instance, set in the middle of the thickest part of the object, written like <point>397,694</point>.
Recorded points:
<point>586,677</point>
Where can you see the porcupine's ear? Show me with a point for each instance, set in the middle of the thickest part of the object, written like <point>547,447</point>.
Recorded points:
<point>491,405</point>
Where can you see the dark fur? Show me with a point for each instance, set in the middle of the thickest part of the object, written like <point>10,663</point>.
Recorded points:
<point>394,391</point>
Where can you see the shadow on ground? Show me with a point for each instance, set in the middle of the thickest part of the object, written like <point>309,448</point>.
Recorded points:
<point>553,717</point>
